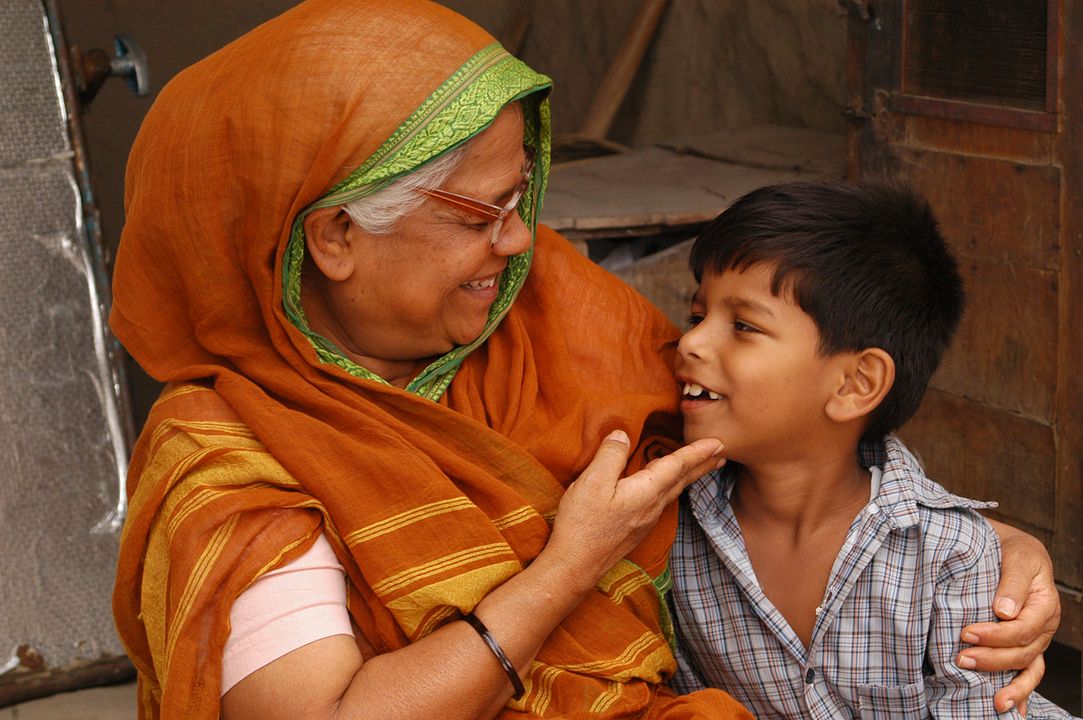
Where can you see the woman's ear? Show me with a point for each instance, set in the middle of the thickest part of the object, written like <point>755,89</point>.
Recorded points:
<point>865,380</point>
<point>327,241</point>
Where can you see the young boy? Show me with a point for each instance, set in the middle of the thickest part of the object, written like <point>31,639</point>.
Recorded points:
<point>820,573</point>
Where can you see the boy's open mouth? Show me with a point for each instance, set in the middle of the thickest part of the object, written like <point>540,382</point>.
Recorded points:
<point>692,391</point>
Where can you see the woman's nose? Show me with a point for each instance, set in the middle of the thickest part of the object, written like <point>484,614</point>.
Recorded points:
<point>514,237</point>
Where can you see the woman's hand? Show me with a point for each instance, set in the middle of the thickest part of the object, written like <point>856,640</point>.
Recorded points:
<point>1028,605</point>
<point>602,517</point>
<point>451,673</point>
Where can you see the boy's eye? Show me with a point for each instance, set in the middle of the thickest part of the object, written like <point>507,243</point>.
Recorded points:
<point>742,326</point>
<point>693,319</point>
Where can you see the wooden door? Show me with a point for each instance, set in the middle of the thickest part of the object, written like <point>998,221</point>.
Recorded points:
<point>980,106</point>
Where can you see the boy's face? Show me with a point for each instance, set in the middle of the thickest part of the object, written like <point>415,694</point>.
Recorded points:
<point>756,358</point>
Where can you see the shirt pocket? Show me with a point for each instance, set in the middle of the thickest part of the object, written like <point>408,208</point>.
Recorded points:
<point>882,702</point>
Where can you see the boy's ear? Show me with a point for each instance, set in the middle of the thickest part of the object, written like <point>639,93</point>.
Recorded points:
<point>865,380</point>
<point>327,241</point>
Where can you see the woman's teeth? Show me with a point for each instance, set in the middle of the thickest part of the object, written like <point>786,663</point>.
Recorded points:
<point>694,391</point>
<point>480,284</point>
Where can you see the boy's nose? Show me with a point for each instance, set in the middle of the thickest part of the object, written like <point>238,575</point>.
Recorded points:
<point>689,347</point>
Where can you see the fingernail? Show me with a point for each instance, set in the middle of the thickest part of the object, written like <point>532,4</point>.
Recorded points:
<point>966,662</point>
<point>618,435</point>
<point>970,638</point>
<point>720,463</point>
<point>1008,705</point>
<point>1006,606</point>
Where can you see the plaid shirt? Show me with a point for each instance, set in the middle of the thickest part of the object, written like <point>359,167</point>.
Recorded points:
<point>918,564</point>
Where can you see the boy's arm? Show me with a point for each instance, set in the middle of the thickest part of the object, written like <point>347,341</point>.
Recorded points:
<point>965,586</point>
<point>1028,602</point>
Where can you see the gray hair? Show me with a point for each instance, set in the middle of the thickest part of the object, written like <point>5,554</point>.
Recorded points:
<point>379,213</point>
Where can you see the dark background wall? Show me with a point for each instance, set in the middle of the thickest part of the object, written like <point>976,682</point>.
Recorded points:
<point>713,64</point>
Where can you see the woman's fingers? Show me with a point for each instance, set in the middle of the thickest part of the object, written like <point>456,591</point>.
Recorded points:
<point>1026,572</point>
<point>610,458</point>
<point>1032,629</point>
<point>1020,688</point>
<point>671,474</point>
<point>1014,644</point>
<point>602,517</point>
<point>1029,605</point>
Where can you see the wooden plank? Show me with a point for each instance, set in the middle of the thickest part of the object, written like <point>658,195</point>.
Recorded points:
<point>1068,543</point>
<point>664,279</point>
<point>19,686</point>
<point>991,208</point>
<point>773,147</point>
<point>989,454</point>
<point>990,141</point>
<point>1005,352</point>
<point>648,188</point>
<point>1070,631</point>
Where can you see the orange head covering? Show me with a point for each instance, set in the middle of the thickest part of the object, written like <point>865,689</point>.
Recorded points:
<point>262,440</point>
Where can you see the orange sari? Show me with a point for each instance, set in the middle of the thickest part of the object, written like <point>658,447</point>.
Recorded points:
<point>263,439</point>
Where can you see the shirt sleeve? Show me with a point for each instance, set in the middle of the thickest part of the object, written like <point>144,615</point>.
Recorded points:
<point>963,594</point>
<point>285,609</point>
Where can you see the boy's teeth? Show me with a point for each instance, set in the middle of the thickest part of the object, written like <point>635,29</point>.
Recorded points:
<point>693,390</point>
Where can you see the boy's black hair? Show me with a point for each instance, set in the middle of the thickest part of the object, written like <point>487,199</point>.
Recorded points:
<point>865,260</point>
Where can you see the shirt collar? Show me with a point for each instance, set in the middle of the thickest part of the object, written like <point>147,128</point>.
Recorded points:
<point>903,485</point>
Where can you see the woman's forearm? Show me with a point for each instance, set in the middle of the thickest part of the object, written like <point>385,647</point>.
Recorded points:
<point>451,673</point>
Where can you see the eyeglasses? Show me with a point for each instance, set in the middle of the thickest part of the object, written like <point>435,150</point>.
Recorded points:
<point>494,214</point>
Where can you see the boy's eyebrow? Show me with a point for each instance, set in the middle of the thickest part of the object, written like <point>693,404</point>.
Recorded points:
<point>738,303</point>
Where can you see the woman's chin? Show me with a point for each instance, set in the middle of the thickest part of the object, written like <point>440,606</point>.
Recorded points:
<point>467,332</point>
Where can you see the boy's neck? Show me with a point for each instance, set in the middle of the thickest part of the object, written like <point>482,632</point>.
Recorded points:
<point>794,516</point>
<point>795,498</point>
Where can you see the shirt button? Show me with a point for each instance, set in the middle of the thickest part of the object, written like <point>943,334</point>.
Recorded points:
<point>872,509</point>
<point>819,609</point>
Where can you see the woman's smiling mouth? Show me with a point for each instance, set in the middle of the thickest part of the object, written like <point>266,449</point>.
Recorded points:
<point>482,284</point>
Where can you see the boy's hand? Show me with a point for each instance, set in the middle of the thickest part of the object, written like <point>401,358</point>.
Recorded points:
<point>1029,606</point>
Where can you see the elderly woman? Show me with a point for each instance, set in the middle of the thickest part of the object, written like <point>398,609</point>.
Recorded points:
<point>369,487</point>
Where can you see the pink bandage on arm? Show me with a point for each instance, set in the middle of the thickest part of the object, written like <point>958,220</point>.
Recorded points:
<point>288,608</point>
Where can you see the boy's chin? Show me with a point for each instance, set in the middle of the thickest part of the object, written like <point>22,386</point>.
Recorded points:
<point>693,433</point>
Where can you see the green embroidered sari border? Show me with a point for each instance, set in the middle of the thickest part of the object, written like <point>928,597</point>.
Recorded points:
<point>664,585</point>
<point>463,106</point>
